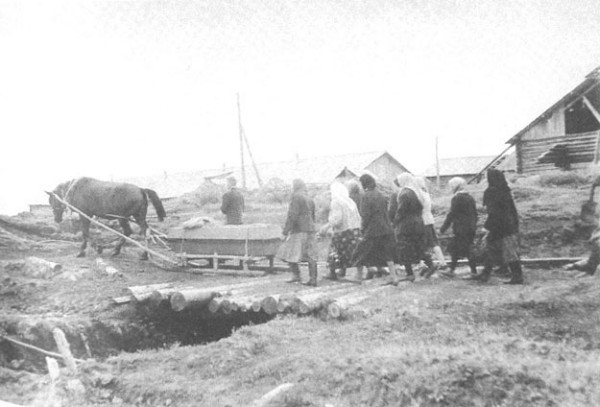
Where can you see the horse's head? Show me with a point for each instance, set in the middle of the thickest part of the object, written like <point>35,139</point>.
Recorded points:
<point>58,207</point>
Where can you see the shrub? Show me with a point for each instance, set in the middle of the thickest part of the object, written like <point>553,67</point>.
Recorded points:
<point>275,191</point>
<point>206,193</point>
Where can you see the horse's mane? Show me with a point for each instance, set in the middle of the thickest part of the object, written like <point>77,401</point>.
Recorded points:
<point>62,188</point>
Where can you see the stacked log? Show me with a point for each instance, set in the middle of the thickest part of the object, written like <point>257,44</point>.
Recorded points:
<point>142,293</point>
<point>163,295</point>
<point>332,300</point>
<point>342,307</point>
<point>191,299</point>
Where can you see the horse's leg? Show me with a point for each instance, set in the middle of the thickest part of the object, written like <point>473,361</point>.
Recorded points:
<point>144,232</point>
<point>126,231</point>
<point>85,230</point>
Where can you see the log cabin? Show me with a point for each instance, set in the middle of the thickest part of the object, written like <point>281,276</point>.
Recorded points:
<point>566,135</point>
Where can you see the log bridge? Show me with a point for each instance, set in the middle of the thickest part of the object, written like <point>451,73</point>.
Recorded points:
<point>270,295</point>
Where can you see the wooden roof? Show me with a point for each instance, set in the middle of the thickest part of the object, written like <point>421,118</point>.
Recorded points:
<point>591,79</point>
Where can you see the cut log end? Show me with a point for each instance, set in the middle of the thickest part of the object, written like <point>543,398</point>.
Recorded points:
<point>191,299</point>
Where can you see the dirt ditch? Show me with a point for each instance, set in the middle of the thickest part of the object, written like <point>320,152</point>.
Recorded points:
<point>143,328</point>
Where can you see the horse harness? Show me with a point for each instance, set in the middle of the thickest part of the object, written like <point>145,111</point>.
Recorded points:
<point>66,195</point>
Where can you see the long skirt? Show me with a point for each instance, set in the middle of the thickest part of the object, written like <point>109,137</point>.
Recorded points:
<point>461,244</point>
<point>431,239</point>
<point>341,249</point>
<point>502,251</point>
<point>374,251</point>
<point>411,244</point>
<point>298,247</point>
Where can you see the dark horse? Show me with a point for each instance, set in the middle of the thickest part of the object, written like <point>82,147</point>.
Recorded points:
<point>108,200</point>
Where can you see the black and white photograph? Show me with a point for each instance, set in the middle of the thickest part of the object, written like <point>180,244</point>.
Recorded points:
<point>299,203</point>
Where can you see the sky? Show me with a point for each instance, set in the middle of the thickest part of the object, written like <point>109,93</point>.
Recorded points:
<point>112,89</point>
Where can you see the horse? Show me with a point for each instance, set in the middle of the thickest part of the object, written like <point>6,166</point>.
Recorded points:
<point>107,200</point>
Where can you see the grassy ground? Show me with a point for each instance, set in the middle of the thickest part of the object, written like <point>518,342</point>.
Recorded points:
<point>433,343</point>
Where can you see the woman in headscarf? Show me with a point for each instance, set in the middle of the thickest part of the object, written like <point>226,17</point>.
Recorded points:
<point>502,224</point>
<point>463,219</point>
<point>299,230</point>
<point>431,239</point>
<point>354,191</point>
<point>406,212</point>
<point>377,245</point>
<point>344,222</point>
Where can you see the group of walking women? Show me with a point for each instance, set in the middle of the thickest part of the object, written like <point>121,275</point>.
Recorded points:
<point>373,232</point>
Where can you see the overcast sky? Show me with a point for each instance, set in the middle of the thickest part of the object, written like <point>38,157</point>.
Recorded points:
<point>114,88</point>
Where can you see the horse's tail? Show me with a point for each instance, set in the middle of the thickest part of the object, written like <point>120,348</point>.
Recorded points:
<point>157,203</point>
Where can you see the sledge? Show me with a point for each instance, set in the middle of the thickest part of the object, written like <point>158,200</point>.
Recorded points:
<point>213,245</point>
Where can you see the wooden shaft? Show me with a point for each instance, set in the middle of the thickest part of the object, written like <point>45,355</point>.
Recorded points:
<point>34,348</point>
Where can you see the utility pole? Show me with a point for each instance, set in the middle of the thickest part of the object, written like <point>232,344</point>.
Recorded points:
<point>241,130</point>
<point>437,162</point>
<point>244,139</point>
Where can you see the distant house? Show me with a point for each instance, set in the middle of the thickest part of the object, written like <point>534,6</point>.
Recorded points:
<point>40,209</point>
<point>467,167</point>
<point>313,170</point>
<point>566,135</point>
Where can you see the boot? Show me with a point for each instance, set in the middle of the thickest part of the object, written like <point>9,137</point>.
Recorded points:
<point>472,265</point>
<point>312,274</point>
<point>295,269</point>
<point>332,276</point>
<point>431,268</point>
<point>410,276</point>
<point>483,277</point>
<point>439,255</point>
<point>516,273</point>
<point>503,270</point>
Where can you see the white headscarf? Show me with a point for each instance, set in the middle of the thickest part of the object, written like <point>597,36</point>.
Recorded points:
<point>456,184</point>
<point>347,209</point>
<point>340,193</point>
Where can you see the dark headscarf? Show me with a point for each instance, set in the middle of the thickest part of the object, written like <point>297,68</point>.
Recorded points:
<point>367,182</point>
<point>502,219</point>
<point>496,179</point>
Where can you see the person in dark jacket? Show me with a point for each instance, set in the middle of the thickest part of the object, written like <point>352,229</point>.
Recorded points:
<point>300,234</point>
<point>406,212</point>
<point>463,219</point>
<point>233,203</point>
<point>376,249</point>
<point>502,224</point>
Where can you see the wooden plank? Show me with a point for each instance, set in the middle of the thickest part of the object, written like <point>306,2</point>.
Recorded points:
<point>122,300</point>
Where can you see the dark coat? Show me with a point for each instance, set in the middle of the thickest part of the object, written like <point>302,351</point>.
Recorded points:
<point>463,218</point>
<point>374,213</point>
<point>233,206</point>
<point>407,216</point>
<point>406,210</point>
<point>502,219</point>
<point>301,214</point>
<point>462,215</point>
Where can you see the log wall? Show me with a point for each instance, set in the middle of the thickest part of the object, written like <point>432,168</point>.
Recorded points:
<point>583,148</point>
